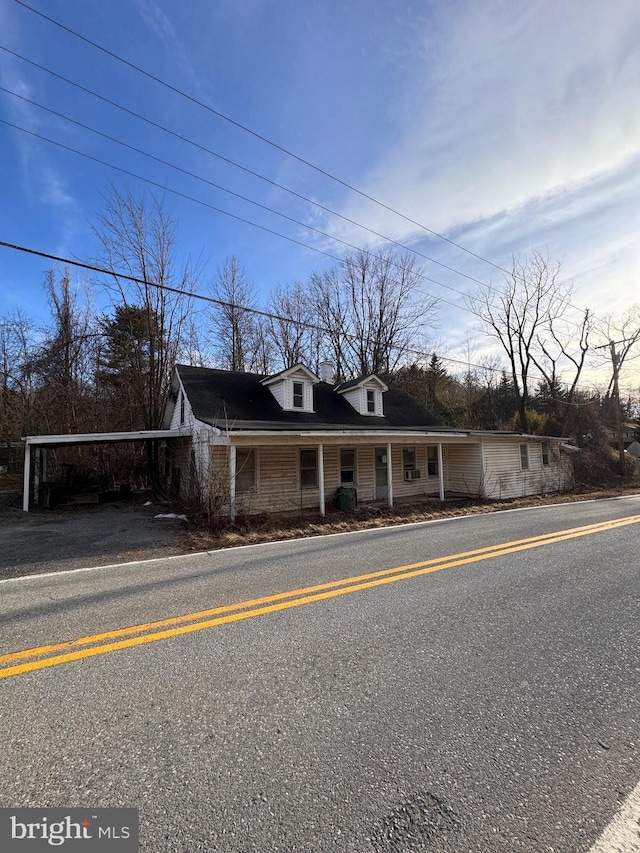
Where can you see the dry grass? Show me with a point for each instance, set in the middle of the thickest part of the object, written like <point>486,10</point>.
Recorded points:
<point>256,529</point>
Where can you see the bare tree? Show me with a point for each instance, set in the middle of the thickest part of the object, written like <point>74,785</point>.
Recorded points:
<point>137,238</point>
<point>17,345</point>
<point>558,349</point>
<point>372,310</point>
<point>234,326</point>
<point>624,331</point>
<point>62,365</point>
<point>294,336</point>
<point>261,355</point>
<point>524,313</point>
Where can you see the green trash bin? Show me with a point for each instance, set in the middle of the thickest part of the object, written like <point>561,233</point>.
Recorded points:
<point>346,498</point>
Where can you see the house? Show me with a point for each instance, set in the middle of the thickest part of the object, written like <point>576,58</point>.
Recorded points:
<point>629,430</point>
<point>289,441</point>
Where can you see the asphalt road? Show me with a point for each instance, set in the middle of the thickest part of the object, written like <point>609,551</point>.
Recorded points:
<point>489,702</point>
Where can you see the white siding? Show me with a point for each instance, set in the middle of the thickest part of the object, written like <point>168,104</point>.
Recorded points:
<point>277,389</point>
<point>463,469</point>
<point>412,488</point>
<point>504,477</point>
<point>357,397</point>
<point>365,485</point>
<point>283,391</point>
<point>354,397</point>
<point>278,488</point>
<point>188,412</point>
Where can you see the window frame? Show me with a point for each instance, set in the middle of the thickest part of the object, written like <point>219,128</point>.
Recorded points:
<point>300,395</point>
<point>524,457</point>
<point>250,451</point>
<point>409,466</point>
<point>545,449</point>
<point>302,468</point>
<point>342,467</point>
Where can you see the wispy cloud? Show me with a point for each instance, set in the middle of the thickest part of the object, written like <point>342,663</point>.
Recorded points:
<point>516,103</point>
<point>45,184</point>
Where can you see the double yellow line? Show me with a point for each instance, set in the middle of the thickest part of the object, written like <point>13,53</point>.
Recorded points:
<point>41,657</point>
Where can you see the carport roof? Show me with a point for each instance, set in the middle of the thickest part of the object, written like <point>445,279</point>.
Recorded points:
<point>103,437</point>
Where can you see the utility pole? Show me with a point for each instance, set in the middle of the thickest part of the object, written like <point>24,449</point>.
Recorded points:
<point>616,393</point>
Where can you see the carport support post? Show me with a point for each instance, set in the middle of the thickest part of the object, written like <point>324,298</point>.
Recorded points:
<point>321,478</point>
<point>232,482</point>
<point>26,488</point>
<point>440,471</point>
<point>389,476</point>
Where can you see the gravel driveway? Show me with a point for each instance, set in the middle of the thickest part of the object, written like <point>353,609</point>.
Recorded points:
<point>78,537</point>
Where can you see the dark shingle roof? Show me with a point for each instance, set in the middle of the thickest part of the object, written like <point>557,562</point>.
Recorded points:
<point>353,383</point>
<point>226,398</point>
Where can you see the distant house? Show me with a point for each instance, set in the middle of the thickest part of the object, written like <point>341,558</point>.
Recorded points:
<point>629,429</point>
<point>292,440</point>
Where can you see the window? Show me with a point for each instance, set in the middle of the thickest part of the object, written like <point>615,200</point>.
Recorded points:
<point>245,470</point>
<point>181,407</point>
<point>298,395</point>
<point>347,467</point>
<point>545,452</point>
<point>524,456</point>
<point>308,468</point>
<point>408,458</point>
<point>371,402</point>
<point>432,461</point>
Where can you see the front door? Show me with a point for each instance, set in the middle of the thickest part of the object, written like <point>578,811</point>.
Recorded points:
<point>382,474</point>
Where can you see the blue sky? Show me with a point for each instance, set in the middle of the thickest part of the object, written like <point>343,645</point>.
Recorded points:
<point>504,125</point>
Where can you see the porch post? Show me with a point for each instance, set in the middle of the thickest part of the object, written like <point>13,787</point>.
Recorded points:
<point>389,475</point>
<point>440,471</point>
<point>26,480</point>
<point>232,482</point>
<point>321,478</point>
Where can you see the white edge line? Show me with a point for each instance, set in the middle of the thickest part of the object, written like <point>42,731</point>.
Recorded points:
<point>383,529</point>
<point>622,835</point>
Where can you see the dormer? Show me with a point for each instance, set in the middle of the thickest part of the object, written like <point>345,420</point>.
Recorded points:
<point>364,394</point>
<point>293,388</point>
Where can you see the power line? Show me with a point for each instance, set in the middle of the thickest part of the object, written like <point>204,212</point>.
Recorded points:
<point>254,133</point>
<point>216,186</point>
<point>220,302</point>
<point>170,87</point>
<point>181,137</point>
<point>220,210</point>
<point>216,209</point>
<point>202,297</point>
<point>224,159</point>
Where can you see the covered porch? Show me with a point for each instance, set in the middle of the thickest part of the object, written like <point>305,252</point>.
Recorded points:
<point>274,472</point>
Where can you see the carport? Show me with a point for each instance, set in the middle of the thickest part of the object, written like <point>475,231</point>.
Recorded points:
<point>37,447</point>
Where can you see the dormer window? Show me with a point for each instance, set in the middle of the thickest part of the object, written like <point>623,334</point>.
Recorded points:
<point>364,394</point>
<point>298,395</point>
<point>293,388</point>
